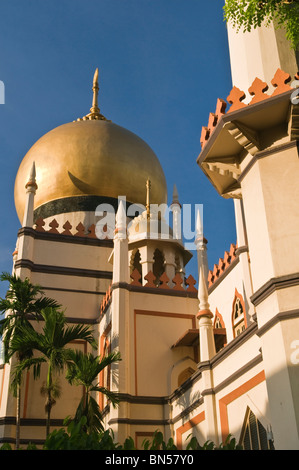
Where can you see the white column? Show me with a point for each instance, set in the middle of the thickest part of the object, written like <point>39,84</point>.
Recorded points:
<point>207,352</point>
<point>201,247</point>
<point>121,371</point>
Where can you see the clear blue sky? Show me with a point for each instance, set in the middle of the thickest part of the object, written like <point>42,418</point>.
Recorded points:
<point>162,64</point>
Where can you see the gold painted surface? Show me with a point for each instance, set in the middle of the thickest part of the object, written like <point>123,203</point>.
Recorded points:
<point>92,157</point>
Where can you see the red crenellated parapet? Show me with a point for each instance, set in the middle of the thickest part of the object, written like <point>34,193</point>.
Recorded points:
<point>222,265</point>
<point>236,99</point>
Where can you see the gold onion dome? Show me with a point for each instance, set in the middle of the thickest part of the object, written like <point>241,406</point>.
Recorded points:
<point>90,157</point>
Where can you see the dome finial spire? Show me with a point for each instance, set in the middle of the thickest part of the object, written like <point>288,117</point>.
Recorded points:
<point>94,110</point>
<point>148,190</point>
<point>95,88</point>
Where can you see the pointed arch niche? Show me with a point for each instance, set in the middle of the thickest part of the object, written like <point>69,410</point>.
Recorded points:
<point>135,262</point>
<point>159,265</point>
<point>219,331</point>
<point>239,322</point>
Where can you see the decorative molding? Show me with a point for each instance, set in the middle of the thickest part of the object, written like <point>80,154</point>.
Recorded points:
<point>246,137</point>
<point>232,346</point>
<point>64,238</point>
<point>280,282</point>
<point>71,204</point>
<point>265,153</point>
<point>62,270</point>
<point>241,249</point>
<point>223,169</point>
<point>281,316</point>
<point>76,291</point>
<point>143,422</point>
<point>142,400</point>
<point>76,320</point>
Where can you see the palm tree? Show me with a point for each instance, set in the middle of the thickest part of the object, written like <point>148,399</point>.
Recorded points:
<point>84,369</point>
<point>51,344</point>
<point>23,301</point>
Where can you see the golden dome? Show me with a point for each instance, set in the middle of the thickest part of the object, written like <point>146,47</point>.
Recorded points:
<point>90,157</point>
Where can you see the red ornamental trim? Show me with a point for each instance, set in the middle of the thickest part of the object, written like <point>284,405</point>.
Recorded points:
<point>204,313</point>
<point>236,97</point>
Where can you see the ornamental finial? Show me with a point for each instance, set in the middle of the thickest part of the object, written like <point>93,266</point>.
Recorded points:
<point>148,189</point>
<point>95,88</point>
<point>94,110</point>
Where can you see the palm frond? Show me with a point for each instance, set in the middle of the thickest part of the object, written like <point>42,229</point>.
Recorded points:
<point>92,413</point>
<point>112,396</point>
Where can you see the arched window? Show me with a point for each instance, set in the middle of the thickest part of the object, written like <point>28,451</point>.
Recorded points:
<point>254,436</point>
<point>158,267</point>
<point>238,315</point>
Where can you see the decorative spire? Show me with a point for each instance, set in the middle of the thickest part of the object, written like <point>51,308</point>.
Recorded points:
<point>120,249</point>
<point>31,184</point>
<point>94,110</point>
<point>199,227</point>
<point>175,196</point>
<point>148,189</point>
<point>95,88</point>
<point>31,188</point>
<point>121,220</point>
<point>176,211</point>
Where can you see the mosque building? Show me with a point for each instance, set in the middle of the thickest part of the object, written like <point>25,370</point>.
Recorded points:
<point>212,356</point>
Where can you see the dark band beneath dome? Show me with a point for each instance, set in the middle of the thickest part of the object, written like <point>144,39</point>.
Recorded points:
<point>77,204</point>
